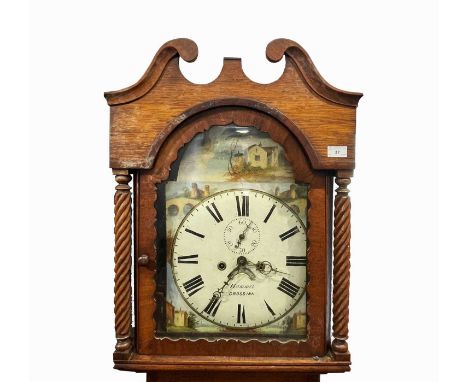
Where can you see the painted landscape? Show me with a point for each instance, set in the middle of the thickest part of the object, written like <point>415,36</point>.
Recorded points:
<point>236,154</point>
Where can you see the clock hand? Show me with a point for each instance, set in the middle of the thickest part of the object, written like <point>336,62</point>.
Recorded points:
<point>246,229</point>
<point>240,268</point>
<point>218,292</point>
<point>234,272</point>
<point>244,270</point>
<point>248,272</point>
<point>242,263</point>
<point>265,267</point>
<point>242,235</point>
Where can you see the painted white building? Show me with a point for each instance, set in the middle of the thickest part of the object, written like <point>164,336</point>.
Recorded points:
<point>180,318</point>
<point>262,156</point>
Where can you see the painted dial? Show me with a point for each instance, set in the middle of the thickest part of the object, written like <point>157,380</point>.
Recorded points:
<point>239,258</point>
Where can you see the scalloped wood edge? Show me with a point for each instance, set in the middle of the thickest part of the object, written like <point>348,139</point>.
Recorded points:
<point>226,102</point>
<point>276,49</point>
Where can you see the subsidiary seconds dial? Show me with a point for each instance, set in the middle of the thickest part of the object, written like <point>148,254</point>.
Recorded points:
<point>241,235</point>
<point>239,258</point>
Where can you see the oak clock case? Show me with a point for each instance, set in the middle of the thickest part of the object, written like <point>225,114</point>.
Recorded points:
<point>227,216</point>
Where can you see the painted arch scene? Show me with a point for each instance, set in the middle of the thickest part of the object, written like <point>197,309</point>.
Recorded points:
<point>236,154</point>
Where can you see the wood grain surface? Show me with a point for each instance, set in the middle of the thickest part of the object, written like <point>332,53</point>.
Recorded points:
<point>163,98</point>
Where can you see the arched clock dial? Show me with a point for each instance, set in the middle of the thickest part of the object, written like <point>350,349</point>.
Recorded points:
<point>239,258</point>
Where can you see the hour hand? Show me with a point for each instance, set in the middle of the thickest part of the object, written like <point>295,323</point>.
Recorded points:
<point>242,264</point>
<point>248,272</point>
<point>234,272</point>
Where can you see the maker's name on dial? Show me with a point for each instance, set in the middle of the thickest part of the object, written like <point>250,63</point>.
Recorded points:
<point>242,290</point>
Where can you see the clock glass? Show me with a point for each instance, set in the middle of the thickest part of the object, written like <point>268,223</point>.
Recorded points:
<point>233,260</point>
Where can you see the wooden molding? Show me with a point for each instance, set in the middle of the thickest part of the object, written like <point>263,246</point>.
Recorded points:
<point>144,113</point>
<point>280,47</point>
<point>148,363</point>
<point>276,49</point>
<point>182,47</point>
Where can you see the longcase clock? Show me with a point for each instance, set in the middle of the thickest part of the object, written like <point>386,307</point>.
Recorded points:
<point>227,218</point>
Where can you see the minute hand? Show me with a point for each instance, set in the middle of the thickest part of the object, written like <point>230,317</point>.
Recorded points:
<point>265,268</point>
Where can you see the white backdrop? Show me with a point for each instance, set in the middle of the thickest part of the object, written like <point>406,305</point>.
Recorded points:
<point>79,49</point>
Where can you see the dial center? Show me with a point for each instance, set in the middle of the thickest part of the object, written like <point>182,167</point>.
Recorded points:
<point>241,261</point>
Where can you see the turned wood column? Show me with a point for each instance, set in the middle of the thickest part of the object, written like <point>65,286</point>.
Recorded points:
<point>123,261</point>
<point>341,265</point>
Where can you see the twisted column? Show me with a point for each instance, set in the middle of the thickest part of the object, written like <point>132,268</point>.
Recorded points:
<point>341,265</point>
<point>123,262</point>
